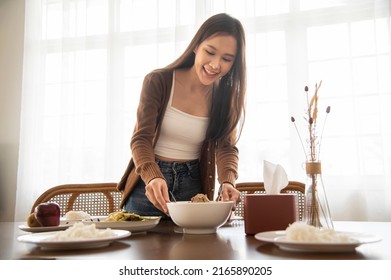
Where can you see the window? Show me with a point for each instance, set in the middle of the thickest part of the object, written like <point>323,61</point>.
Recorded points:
<point>85,61</point>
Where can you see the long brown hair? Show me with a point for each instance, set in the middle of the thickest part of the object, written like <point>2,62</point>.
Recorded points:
<point>228,101</point>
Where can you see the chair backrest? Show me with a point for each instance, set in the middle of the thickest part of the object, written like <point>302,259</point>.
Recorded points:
<point>98,199</point>
<point>258,187</point>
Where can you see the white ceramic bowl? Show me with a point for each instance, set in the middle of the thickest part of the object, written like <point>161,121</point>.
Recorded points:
<point>201,217</point>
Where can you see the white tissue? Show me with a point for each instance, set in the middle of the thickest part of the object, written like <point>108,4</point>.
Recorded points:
<point>274,177</point>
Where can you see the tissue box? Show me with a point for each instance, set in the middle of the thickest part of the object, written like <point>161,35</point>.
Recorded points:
<point>265,212</point>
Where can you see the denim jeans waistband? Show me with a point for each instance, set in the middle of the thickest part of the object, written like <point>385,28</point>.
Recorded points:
<point>177,165</point>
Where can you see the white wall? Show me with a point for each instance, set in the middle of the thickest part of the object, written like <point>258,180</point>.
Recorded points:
<point>11,67</point>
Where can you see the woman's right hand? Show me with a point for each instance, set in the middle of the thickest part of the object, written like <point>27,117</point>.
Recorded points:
<point>157,193</point>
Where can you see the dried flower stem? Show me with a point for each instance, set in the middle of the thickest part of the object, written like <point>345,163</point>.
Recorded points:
<point>315,209</point>
<point>313,205</point>
<point>324,124</point>
<point>301,141</point>
<point>312,118</point>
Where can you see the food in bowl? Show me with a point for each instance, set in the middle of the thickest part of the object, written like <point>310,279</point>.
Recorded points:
<point>201,217</point>
<point>302,232</point>
<point>199,198</point>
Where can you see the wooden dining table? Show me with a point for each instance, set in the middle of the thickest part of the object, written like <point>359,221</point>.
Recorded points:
<point>167,242</point>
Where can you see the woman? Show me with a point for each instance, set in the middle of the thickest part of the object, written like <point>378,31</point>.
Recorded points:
<point>189,119</point>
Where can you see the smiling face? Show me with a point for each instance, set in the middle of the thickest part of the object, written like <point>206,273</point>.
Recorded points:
<point>214,58</point>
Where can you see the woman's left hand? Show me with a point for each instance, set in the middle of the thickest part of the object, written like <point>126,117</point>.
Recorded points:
<point>229,193</point>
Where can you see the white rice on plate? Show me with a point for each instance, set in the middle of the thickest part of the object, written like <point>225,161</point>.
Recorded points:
<point>80,231</point>
<point>77,215</point>
<point>299,231</point>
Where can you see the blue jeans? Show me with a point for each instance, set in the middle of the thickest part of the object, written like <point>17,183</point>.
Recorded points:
<point>183,180</point>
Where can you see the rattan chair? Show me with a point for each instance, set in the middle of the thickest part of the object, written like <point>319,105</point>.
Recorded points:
<point>97,199</point>
<point>258,187</point>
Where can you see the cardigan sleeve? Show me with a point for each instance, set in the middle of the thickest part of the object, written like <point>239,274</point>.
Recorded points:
<point>227,159</point>
<point>144,135</point>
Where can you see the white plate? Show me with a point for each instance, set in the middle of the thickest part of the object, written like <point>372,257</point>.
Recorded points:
<point>63,225</point>
<point>41,239</point>
<point>279,239</point>
<point>133,226</point>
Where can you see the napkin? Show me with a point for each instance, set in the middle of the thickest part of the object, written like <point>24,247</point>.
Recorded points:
<point>274,177</point>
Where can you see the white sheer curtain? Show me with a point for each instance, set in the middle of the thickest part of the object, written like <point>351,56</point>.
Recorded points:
<point>85,60</point>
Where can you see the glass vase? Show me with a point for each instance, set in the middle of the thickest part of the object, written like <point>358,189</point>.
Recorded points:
<point>317,212</point>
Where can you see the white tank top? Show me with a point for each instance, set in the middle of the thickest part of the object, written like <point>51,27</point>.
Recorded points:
<point>181,134</point>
